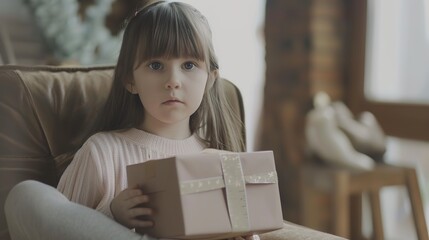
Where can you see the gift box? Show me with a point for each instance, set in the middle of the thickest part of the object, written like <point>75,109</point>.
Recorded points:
<point>210,195</point>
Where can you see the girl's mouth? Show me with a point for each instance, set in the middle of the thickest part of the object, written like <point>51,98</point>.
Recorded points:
<point>172,101</point>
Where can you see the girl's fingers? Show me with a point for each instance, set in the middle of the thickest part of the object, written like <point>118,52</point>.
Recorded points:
<point>136,212</point>
<point>137,200</point>
<point>140,223</point>
<point>131,193</point>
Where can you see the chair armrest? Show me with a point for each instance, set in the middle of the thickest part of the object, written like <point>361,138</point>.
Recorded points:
<point>291,231</point>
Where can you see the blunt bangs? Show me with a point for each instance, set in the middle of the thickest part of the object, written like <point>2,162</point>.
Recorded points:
<point>167,31</point>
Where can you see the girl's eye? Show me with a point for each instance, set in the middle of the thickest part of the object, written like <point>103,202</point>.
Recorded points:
<point>155,66</point>
<point>188,65</point>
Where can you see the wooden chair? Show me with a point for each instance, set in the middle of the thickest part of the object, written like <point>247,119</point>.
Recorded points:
<point>344,189</point>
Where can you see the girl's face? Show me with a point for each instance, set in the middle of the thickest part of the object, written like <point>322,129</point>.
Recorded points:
<point>171,90</point>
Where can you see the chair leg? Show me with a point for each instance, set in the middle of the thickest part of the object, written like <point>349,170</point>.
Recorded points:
<point>356,217</point>
<point>310,209</point>
<point>341,205</point>
<point>416,204</point>
<point>377,222</point>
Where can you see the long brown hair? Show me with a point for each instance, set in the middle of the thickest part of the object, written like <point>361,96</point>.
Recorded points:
<point>172,29</point>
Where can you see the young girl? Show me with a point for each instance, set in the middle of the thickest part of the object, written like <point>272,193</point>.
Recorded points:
<point>166,99</point>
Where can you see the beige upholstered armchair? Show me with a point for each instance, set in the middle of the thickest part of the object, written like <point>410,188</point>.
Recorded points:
<point>46,113</point>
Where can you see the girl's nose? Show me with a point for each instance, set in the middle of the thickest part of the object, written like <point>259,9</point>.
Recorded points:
<point>173,81</point>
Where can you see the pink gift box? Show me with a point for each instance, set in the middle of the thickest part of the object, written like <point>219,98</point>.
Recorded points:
<point>210,195</point>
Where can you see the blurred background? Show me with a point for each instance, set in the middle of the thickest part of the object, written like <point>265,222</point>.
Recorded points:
<point>370,54</point>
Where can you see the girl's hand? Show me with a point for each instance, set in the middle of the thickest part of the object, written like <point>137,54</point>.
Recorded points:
<point>126,208</point>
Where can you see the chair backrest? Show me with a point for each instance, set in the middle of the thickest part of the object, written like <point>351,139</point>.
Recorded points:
<point>46,113</point>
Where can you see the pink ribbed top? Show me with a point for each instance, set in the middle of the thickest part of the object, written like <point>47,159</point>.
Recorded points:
<point>98,171</point>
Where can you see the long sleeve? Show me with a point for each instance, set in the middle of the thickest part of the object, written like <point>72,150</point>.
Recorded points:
<point>82,182</point>
<point>98,171</point>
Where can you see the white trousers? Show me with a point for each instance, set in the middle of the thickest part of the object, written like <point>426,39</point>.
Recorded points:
<point>38,211</point>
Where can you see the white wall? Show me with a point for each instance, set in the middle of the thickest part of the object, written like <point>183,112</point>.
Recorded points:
<point>398,51</point>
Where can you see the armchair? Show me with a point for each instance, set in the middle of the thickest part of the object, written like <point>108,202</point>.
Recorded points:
<point>46,113</point>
